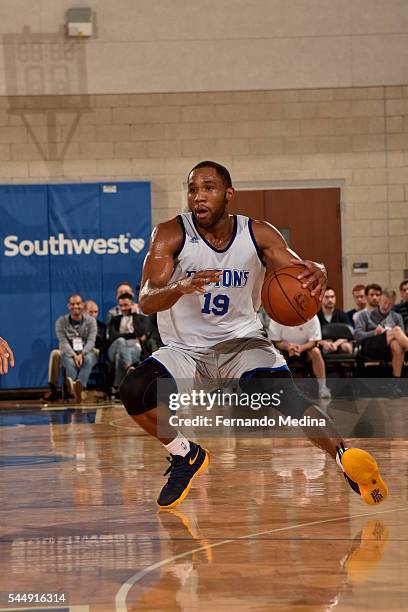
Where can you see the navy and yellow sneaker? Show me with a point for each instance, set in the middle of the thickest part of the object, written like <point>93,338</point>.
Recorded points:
<point>361,471</point>
<point>182,470</point>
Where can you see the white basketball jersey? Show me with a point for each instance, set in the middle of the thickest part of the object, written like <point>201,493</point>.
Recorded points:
<point>228,308</point>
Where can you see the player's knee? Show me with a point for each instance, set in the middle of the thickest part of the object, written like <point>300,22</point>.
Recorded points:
<point>141,389</point>
<point>314,353</point>
<point>132,391</point>
<point>278,384</point>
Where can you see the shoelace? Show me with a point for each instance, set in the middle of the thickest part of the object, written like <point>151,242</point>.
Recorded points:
<point>340,450</point>
<point>177,465</point>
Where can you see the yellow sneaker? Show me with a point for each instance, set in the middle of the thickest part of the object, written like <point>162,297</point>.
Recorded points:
<point>361,468</point>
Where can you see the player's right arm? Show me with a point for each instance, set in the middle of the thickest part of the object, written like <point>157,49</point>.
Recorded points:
<point>157,292</point>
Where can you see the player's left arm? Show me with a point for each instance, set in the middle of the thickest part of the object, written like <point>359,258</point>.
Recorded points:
<point>6,356</point>
<point>277,254</point>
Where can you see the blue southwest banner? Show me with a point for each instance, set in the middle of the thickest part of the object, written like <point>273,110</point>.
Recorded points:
<point>56,240</point>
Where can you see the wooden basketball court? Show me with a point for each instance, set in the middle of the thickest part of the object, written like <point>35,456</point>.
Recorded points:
<point>271,526</point>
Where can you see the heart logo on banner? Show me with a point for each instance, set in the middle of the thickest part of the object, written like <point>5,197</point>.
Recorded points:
<point>137,244</point>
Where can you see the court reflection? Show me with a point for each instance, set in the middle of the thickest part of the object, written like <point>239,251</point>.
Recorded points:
<point>366,551</point>
<point>260,572</point>
<point>272,525</point>
<point>27,416</point>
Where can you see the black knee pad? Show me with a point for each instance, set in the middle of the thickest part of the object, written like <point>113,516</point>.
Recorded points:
<point>145,386</point>
<point>292,402</point>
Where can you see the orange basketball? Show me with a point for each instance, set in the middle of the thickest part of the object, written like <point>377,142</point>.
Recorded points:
<point>284,298</point>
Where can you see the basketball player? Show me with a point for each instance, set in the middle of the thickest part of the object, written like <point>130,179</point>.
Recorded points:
<point>203,275</point>
<point>6,356</point>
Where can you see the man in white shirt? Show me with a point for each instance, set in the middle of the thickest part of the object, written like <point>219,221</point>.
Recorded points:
<point>301,342</point>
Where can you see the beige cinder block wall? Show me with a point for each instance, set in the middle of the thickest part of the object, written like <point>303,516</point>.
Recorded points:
<point>355,137</point>
<point>299,92</point>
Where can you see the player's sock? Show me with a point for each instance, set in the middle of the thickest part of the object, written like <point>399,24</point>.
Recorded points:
<point>181,472</point>
<point>179,446</point>
<point>360,469</point>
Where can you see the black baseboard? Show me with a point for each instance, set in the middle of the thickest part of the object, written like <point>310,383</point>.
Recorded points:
<point>23,394</point>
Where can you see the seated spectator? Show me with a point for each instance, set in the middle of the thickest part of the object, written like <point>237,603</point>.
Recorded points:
<point>126,332</point>
<point>123,287</point>
<point>329,314</point>
<point>54,365</point>
<point>359,297</point>
<point>372,293</point>
<point>76,333</point>
<point>301,342</point>
<point>402,306</point>
<point>92,309</point>
<point>380,332</point>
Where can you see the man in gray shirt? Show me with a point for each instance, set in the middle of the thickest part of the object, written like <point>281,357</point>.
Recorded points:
<point>402,307</point>
<point>76,333</point>
<point>380,332</point>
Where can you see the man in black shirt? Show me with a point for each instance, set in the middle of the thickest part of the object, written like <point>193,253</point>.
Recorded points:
<point>126,333</point>
<point>329,314</point>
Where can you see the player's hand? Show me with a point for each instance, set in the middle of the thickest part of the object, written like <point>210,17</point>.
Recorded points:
<point>196,283</point>
<point>379,330</point>
<point>6,356</point>
<point>314,276</point>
